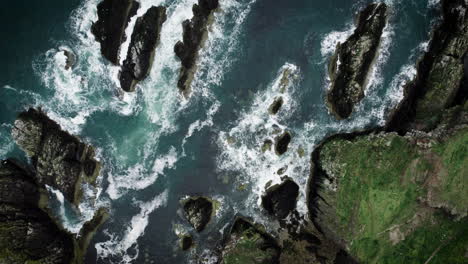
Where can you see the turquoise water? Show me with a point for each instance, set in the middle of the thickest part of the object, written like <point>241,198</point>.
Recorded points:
<point>157,147</point>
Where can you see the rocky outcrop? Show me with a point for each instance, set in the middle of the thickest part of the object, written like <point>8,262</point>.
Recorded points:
<point>441,72</point>
<point>186,242</point>
<point>28,234</point>
<point>61,160</point>
<point>280,200</point>
<point>276,105</point>
<point>247,243</point>
<point>145,38</point>
<point>70,56</point>
<point>195,33</point>
<point>198,211</point>
<point>352,61</point>
<point>282,142</point>
<point>109,29</point>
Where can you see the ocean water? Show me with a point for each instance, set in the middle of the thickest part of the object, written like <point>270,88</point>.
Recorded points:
<point>158,147</point>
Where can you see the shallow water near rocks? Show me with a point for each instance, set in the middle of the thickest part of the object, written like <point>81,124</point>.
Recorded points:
<point>156,147</point>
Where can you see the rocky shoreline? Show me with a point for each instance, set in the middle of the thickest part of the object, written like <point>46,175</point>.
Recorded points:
<point>352,61</point>
<point>195,33</point>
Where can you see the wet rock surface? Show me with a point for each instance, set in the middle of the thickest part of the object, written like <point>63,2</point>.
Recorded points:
<point>280,200</point>
<point>198,211</point>
<point>186,242</point>
<point>195,32</point>
<point>352,61</point>
<point>246,243</point>
<point>282,142</point>
<point>61,160</point>
<point>141,52</point>
<point>439,83</point>
<point>109,29</point>
<point>276,105</point>
<point>27,234</point>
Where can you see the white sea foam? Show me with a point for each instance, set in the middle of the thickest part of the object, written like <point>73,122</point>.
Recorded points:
<point>329,42</point>
<point>125,245</point>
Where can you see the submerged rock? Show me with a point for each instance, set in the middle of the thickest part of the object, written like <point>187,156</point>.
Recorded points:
<point>282,142</point>
<point>441,74</point>
<point>145,38</point>
<point>28,234</point>
<point>276,105</point>
<point>109,29</point>
<point>198,211</point>
<point>352,61</point>
<point>280,199</point>
<point>247,244</point>
<point>61,160</point>
<point>267,145</point>
<point>195,32</point>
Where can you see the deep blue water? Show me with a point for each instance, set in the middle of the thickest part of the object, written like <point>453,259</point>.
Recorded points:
<point>157,147</point>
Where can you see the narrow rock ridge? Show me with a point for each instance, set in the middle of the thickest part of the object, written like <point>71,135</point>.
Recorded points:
<point>61,160</point>
<point>109,29</point>
<point>195,32</point>
<point>141,52</point>
<point>441,74</point>
<point>350,65</point>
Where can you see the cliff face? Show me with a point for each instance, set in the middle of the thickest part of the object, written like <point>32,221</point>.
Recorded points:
<point>351,63</point>
<point>195,32</point>
<point>109,29</point>
<point>145,38</point>
<point>60,159</point>
<point>28,234</point>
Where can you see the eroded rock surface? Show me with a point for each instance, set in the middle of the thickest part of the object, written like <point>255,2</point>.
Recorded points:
<point>109,29</point>
<point>280,199</point>
<point>198,211</point>
<point>141,52</point>
<point>61,160</point>
<point>195,32</point>
<point>352,61</point>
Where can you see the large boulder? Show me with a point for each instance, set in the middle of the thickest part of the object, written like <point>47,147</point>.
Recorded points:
<point>109,29</point>
<point>282,143</point>
<point>28,234</point>
<point>61,160</point>
<point>280,200</point>
<point>352,61</point>
<point>248,244</point>
<point>145,38</point>
<point>441,79</point>
<point>198,211</point>
<point>195,33</point>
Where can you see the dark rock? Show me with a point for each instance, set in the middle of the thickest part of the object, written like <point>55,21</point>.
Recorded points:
<point>198,211</point>
<point>60,159</point>
<point>439,83</point>
<point>282,142</point>
<point>195,31</point>
<point>140,56</point>
<point>28,234</point>
<point>71,58</point>
<point>247,243</point>
<point>109,30</point>
<point>276,105</point>
<point>352,61</point>
<point>280,199</point>
<point>186,242</point>
<point>282,170</point>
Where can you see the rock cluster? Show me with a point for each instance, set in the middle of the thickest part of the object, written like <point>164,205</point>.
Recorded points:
<point>195,32</point>
<point>352,61</point>
<point>109,29</point>
<point>145,38</point>
<point>60,159</point>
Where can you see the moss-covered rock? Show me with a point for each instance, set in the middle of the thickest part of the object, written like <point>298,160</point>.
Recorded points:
<point>282,143</point>
<point>352,61</point>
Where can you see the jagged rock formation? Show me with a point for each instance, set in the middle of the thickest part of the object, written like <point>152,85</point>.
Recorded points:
<point>198,211</point>
<point>109,29</point>
<point>282,142</point>
<point>145,38</point>
<point>247,243</point>
<point>352,61</point>
<point>276,105</point>
<point>195,32</point>
<point>28,234</point>
<point>61,160</point>
<point>441,78</point>
<point>280,200</point>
